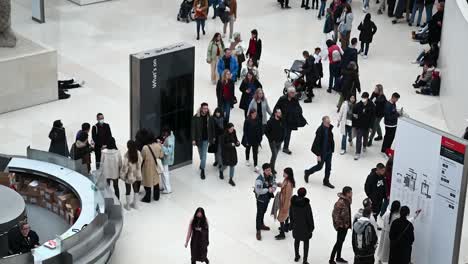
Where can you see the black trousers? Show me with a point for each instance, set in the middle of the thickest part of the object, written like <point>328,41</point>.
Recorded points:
<point>306,249</point>
<point>135,185</point>
<point>391,7</point>
<point>97,153</point>
<point>68,84</point>
<point>310,84</point>
<point>305,3</point>
<point>261,210</point>
<point>365,47</point>
<point>340,238</point>
<point>115,184</point>
<point>316,4</point>
<point>364,260</point>
<point>388,138</point>
<point>283,4</point>
<point>255,153</point>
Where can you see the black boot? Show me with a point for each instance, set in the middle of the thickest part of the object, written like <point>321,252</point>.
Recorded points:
<point>202,174</point>
<point>221,175</point>
<point>156,192</point>
<point>281,236</point>
<point>147,198</point>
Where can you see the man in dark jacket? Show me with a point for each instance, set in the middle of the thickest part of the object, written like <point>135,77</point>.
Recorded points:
<point>390,120</point>
<point>363,120</point>
<point>350,83</point>
<point>58,139</point>
<point>254,50</point>
<point>435,25</point>
<point>341,222</point>
<point>101,134</point>
<point>274,131</point>
<point>308,69</point>
<point>375,188</point>
<point>265,187</point>
<point>302,223</point>
<point>292,116</point>
<point>201,134</point>
<point>364,239</point>
<point>22,239</point>
<point>379,99</point>
<point>323,147</point>
<point>350,54</point>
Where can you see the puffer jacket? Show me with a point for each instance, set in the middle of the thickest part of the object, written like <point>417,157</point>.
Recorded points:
<point>342,213</point>
<point>131,172</point>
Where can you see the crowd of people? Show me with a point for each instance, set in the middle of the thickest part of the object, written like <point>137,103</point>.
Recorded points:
<point>148,157</point>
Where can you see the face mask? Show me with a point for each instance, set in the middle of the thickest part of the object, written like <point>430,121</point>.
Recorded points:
<point>101,121</point>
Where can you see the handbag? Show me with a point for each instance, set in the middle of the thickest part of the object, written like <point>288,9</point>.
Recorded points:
<point>156,160</point>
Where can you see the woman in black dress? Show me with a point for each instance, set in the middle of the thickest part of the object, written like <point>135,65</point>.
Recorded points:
<point>198,236</point>
<point>401,238</point>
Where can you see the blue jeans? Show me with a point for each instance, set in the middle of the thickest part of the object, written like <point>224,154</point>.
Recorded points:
<point>327,160</point>
<point>323,5</point>
<point>429,12</point>
<point>420,9</point>
<point>227,111</point>
<point>348,135</point>
<point>202,151</point>
<point>287,137</point>
<point>231,170</point>
<point>200,23</point>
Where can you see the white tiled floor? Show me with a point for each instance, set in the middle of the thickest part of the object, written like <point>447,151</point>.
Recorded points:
<point>94,43</point>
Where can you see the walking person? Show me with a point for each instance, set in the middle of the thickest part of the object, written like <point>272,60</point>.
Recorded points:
<point>345,123</point>
<point>201,134</point>
<point>383,252</point>
<point>248,88</point>
<point>368,30</point>
<point>58,139</point>
<point>201,14</point>
<point>238,51</point>
<point>228,62</point>
<point>363,120</point>
<point>259,103</point>
<point>379,100</point>
<point>214,4</point>
<point>229,152</point>
<point>334,58</point>
<point>214,53</point>
<point>323,147</point>
<point>286,192</point>
<point>130,173</point>
<point>323,5</point>
<point>345,26</point>
<point>254,51</point>
<point>231,9</point>
<point>274,131</point>
<point>302,223</point>
<point>350,83</point>
<point>225,94</point>
<point>101,134</point>
<point>250,67</point>
<point>252,138</point>
<point>198,235</point>
<point>401,238</point>
<point>391,116</point>
<point>342,222</point>
<point>151,170</point>
<point>265,187</point>
<point>364,239</point>
<point>310,72</point>
<point>292,116</point>
<point>217,130</point>
<point>111,165</point>
<point>375,188</point>
<point>168,147</point>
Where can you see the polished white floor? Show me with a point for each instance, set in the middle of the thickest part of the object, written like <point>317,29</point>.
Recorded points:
<point>94,43</point>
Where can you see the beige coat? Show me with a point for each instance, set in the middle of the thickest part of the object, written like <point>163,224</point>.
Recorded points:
<point>150,170</point>
<point>285,202</point>
<point>131,172</point>
<point>111,162</point>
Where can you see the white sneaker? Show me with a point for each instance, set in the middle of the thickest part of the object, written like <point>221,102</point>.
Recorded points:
<point>364,57</point>
<point>342,152</point>
<point>257,170</point>
<point>247,163</point>
<point>357,156</point>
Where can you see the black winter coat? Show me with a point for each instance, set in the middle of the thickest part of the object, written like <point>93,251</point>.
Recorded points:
<point>380,101</point>
<point>309,69</point>
<point>375,189</point>
<point>229,151</point>
<point>247,97</point>
<point>317,146</point>
<point>258,50</point>
<point>101,134</point>
<point>58,142</point>
<point>349,54</point>
<point>350,83</point>
<point>219,93</point>
<point>302,220</point>
<point>368,30</point>
<point>401,241</point>
<point>365,115</point>
<point>252,132</point>
<point>291,112</point>
<point>274,130</point>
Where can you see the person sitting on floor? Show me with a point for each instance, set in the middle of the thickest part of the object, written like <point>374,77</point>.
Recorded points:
<point>425,77</point>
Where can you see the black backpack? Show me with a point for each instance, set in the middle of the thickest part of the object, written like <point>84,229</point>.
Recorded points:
<point>363,245</point>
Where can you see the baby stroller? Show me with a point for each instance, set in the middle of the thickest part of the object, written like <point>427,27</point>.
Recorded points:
<point>295,79</point>
<point>186,11</point>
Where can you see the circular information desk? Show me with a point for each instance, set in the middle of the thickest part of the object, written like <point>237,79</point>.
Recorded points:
<point>91,238</point>
<point>12,208</point>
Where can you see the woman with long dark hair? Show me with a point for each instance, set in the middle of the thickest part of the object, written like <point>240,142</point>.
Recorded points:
<point>215,51</point>
<point>248,87</point>
<point>111,164</point>
<point>198,235</point>
<point>58,139</point>
<point>229,152</point>
<point>401,238</point>
<point>252,138</point>
<point>286,192</point>
<point>368,30</point>
<point>131,173</point>
<point>217,130</point>
<point>383,251</point>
